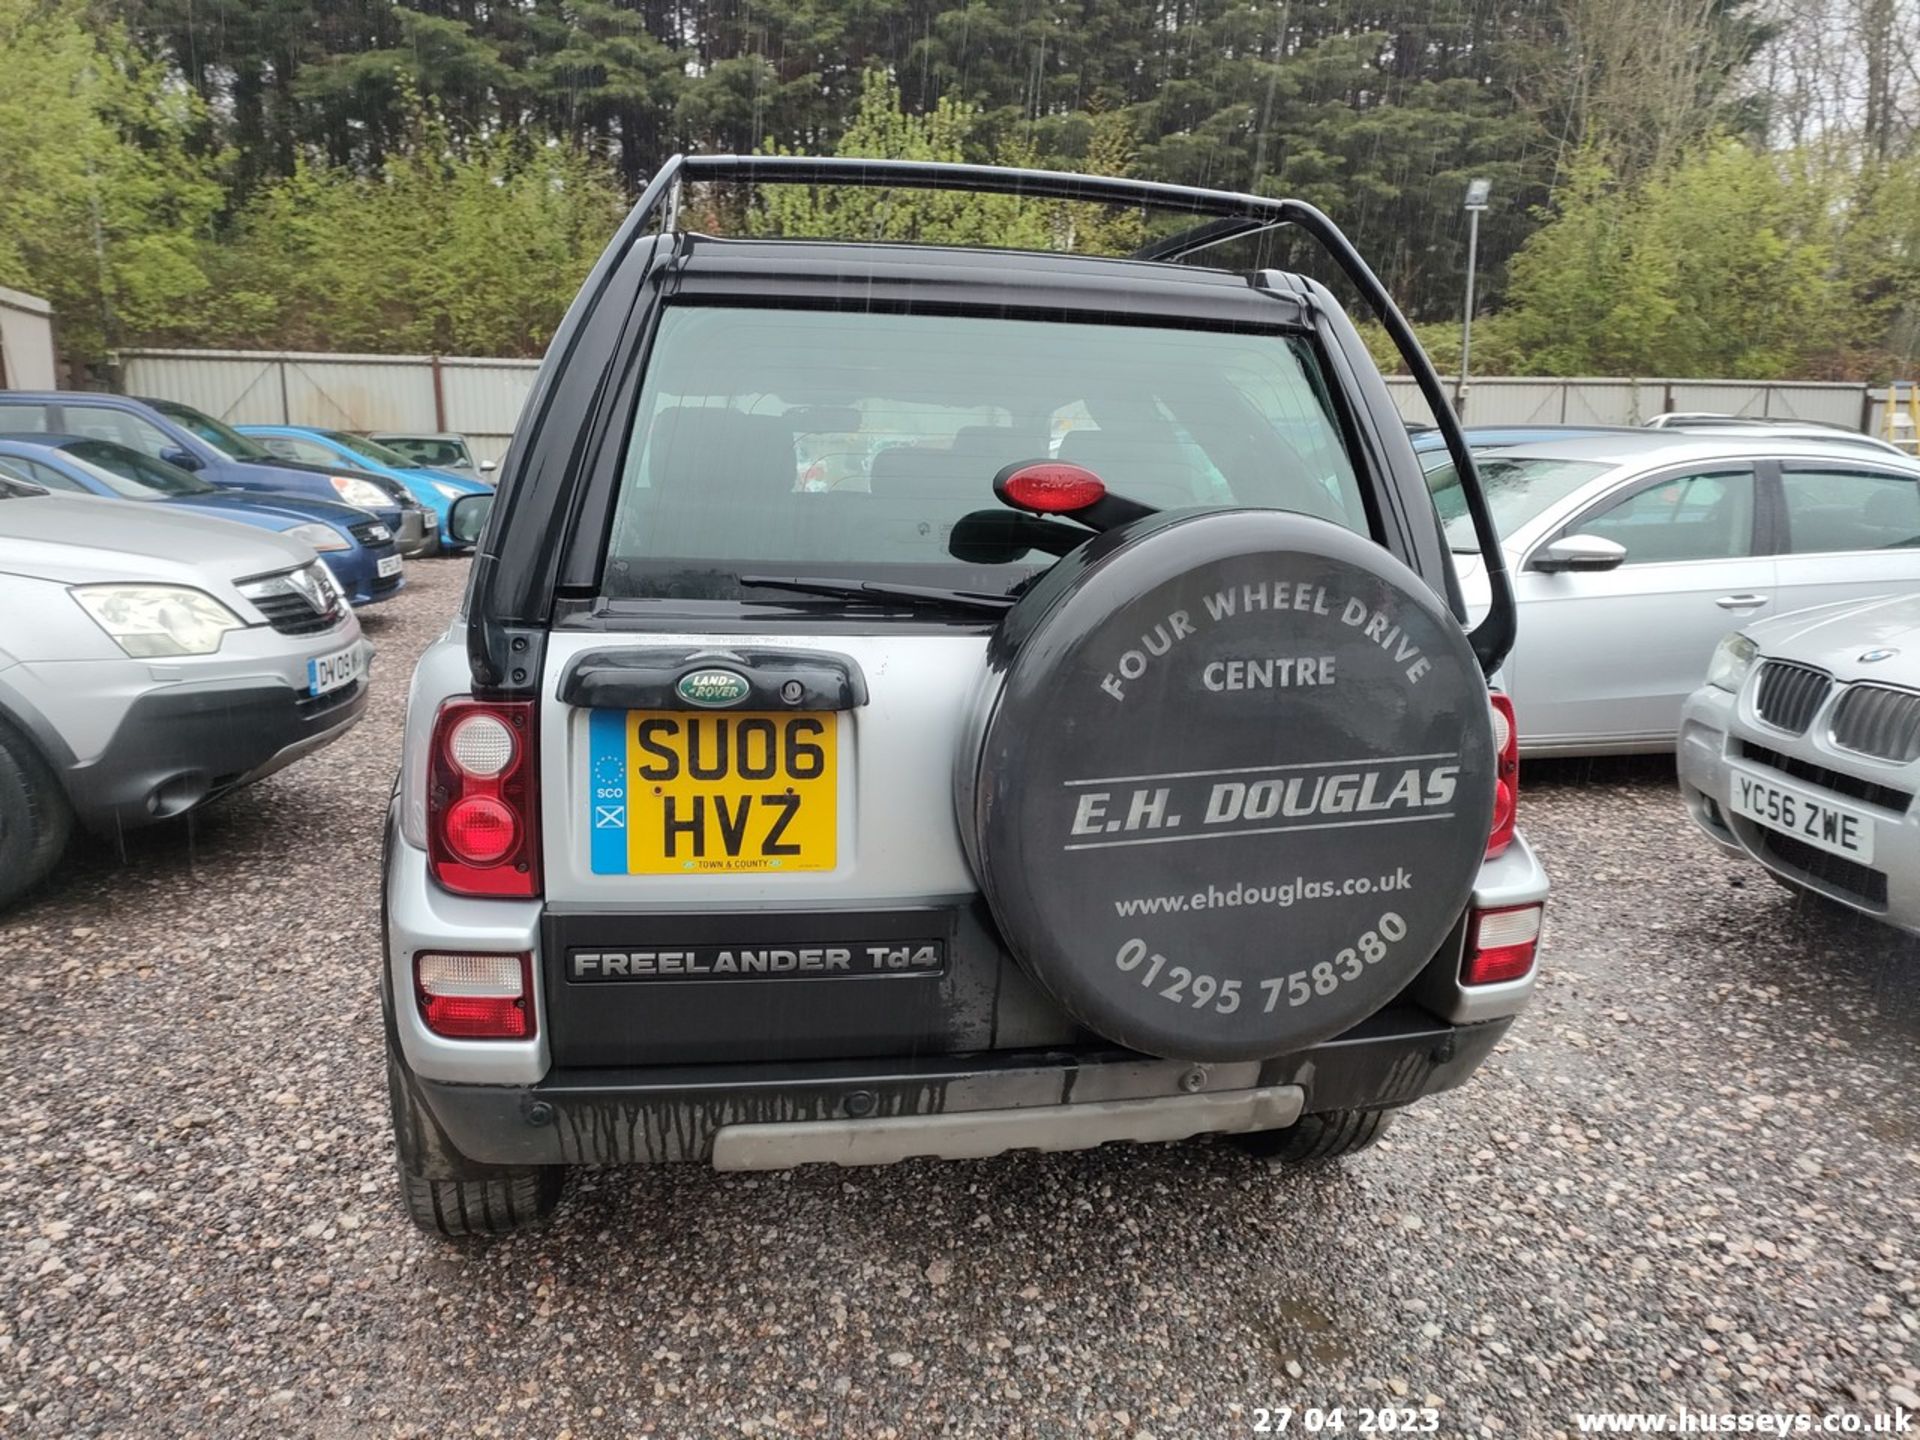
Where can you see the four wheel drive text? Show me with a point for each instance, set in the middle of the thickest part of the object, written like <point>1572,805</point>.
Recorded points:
<point>1373,623</point>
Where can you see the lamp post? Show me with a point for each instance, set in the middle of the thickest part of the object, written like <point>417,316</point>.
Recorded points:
<point>1477,192</point>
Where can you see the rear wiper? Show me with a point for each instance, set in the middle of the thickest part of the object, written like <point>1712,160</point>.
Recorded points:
<point>924,597</point>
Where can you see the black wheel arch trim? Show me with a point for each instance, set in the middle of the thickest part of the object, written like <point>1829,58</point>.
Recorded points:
<point>37,730</point>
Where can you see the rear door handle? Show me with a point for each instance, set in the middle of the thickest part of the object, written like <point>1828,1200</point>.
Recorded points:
<point>1740,602</point>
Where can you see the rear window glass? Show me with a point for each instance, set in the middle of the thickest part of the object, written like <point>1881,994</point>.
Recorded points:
<point>847,444</point>
<point>423,451</point>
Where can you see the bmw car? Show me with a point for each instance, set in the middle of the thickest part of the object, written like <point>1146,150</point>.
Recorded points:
<point>1802,753</point>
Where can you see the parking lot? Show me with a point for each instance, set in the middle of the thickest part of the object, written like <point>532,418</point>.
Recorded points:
<point>1690,1176</point>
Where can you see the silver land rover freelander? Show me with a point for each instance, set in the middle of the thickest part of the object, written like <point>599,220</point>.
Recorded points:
<point>1093,750</point>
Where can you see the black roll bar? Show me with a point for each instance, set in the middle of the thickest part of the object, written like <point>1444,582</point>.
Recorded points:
<point>1230,215</point>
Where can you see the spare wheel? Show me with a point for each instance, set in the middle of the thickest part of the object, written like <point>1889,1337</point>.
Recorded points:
<point>1229,782</point>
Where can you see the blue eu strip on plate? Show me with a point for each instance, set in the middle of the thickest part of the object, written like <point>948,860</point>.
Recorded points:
<point>607,794</point>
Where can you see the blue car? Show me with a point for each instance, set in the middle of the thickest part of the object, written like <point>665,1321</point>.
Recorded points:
<point>436,489</point>
<point>358,547</point>
<point>184,437</point>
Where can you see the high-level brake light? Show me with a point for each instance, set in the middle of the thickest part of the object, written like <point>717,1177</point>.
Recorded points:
<point>1054,487</point>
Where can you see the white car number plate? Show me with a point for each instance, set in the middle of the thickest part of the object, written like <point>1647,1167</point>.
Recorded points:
<point>1836,829</point>
<point>388,565</point>
<point>331,672</point>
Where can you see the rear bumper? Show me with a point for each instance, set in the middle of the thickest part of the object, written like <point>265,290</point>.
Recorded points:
<point>516,1103</point>
<point>773,1116</point>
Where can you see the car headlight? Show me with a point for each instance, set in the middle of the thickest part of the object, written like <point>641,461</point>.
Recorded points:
<point>149,621</point>
<point>1731,662</point>
<point>364,493</point>
<point>323,577</point>
<point>448,492</point>
<point>320,537</point>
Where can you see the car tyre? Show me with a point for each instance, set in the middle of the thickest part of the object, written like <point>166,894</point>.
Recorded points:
<point>1326,1135</point>
<point>485,1200</point>
<point>35,819</point>
<point>512,1199</point>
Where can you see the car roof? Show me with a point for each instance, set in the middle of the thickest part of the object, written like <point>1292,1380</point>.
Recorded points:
<point>67,397</point>
<point>786,272</point>
<point>49,440</point>
<point>1431,437</point>
<point>1632,447</point>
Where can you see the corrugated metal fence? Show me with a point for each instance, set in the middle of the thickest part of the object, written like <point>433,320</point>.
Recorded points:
<point>1611,401</point>
<point>481,398</point>
<point>26,342</point>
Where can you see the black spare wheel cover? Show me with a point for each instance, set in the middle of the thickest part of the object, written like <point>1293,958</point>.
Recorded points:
<point>1233,781</point>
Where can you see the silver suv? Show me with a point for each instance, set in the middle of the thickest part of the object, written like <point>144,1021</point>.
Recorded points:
<point>151,660</point>
<point>1093,752</point>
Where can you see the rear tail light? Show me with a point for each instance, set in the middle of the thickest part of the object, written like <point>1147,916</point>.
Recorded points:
<point>1506,775</point>
<point>1500,945</point>
<point>482,799</point>
<point>475,997</point>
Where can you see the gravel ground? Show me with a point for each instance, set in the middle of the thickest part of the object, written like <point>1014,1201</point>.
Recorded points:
<point>1690,1176</point>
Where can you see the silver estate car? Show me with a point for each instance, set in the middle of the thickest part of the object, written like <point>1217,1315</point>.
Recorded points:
<point>1633,554</point>
<point>151,660</point>
<point>1802,751</point>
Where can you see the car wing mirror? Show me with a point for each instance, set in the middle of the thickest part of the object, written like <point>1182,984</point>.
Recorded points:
<point>180,457</point>
<point>486,467</point>
<point>467,517</point>
<point>1580,552</point>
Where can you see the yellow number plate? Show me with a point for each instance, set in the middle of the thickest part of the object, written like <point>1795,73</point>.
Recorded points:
<point>693,792</point>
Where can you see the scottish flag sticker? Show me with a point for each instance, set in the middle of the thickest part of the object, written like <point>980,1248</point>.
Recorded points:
<point>607,792</point>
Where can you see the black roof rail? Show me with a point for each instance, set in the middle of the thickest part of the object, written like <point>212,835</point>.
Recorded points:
<point>1231,214</point>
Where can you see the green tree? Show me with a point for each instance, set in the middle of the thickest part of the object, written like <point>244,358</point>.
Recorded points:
<point>102,207</point>
<point>1878,261</point>
<point>1721,266</point>
<point>448,247</point>
<point>1377,110</point>
<point>883,130</point>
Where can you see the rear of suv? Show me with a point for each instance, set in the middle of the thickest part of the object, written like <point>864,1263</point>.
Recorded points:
<point>1094,752</point>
